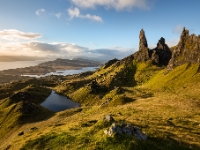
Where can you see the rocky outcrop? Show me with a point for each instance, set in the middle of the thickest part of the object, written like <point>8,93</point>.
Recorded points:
<point>161,54</point>
<point>93,86</point>
<point>187,50</point>
<point>27,107</point>
<point>143,53</point>
<point>127,129</point>
<point>110,62</point>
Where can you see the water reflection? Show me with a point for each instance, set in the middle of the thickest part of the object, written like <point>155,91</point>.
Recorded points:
<point>56,102</point>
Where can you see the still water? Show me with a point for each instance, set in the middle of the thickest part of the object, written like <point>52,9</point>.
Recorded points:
<point>64,72</point>
<point>56,102</point>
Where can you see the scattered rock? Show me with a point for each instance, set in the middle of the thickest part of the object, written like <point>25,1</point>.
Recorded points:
<point>110,62</point>
<point>106,102</point>
<point>93,86</point>
<point>21,133</point>
<point>33,128</point>
<point>108,118</point>
<point>127,129</point>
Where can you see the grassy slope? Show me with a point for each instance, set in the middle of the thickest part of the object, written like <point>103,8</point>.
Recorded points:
<point>164,104</point>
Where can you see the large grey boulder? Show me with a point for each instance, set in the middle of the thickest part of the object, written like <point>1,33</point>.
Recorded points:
<point>127,129</point>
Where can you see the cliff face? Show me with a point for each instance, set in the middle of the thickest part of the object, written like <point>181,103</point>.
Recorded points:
<point>161,54</point>
<point>187,50</point>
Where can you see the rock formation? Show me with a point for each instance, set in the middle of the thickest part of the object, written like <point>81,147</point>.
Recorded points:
<point>143,53</point>
<point>161,54</point>
<point>187,50</point>
<point>127,129</point>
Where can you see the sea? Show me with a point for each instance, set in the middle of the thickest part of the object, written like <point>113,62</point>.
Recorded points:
<point>20,64</point>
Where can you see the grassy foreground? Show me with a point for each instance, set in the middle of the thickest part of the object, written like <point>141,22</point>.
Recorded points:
<point>163,103</point>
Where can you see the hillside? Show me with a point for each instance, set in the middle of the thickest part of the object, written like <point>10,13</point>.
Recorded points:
<point>10,75</point>
<point>157,90</point>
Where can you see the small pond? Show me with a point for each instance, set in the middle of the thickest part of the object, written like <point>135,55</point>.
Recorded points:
<point>56,102</point>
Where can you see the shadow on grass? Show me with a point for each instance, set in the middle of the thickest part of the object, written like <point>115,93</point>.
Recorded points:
<point>117,142</point>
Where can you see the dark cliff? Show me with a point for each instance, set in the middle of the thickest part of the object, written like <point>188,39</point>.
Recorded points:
<point>186,51</point>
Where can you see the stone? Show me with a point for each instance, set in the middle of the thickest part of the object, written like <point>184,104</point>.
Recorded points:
<point>108,118</point>
<point>111,62</point>
<point>93,86</point>
<point>21,133</point>
<point>126,129</point>
<point>33,128</point>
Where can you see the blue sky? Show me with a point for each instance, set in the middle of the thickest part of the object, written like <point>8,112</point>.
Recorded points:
<point>101,29</point>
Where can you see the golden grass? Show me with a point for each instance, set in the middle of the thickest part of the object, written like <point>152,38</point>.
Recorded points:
<point>165,106</point>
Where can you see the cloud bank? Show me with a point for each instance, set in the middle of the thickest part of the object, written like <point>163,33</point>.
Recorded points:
<point>75,13</point>
<point>27,45</point>
<point>116,4</point>
<point>62,50</point>
<point>12,34</point>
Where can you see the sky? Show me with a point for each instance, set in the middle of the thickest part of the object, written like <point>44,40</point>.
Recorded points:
<point>96,29</point>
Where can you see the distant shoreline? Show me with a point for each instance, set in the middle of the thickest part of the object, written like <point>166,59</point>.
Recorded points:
<point>20,64</point>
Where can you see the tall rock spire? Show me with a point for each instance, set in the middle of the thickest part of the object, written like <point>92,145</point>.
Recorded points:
<point>143,40</point>
<point>143,53</point>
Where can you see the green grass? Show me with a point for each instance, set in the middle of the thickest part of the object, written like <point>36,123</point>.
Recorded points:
<point>163,103</point>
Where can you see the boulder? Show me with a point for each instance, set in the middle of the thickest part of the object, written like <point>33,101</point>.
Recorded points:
<point>126,129</point>
<point>108,118</point>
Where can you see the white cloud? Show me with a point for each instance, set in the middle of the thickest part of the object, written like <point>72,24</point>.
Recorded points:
<point>172,42</point>
<point>73,12</point>
<point>65,50</point>
<point>178,29</point>
<point>12,34</point>
<point>116,4</point>
<point>76,13</point>
<point>58,15</point>
<point>39,12</point>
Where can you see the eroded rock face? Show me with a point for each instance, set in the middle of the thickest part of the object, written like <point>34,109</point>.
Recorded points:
<point>187,50</point>
<point>161,54</point>
<point>110,62</point>
<point>143,53</point>
<point>127,129</point>
<point>143,40</point>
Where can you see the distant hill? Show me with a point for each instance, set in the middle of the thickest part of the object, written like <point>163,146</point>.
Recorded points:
<point>76,62</point>
<point>46,67</point>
